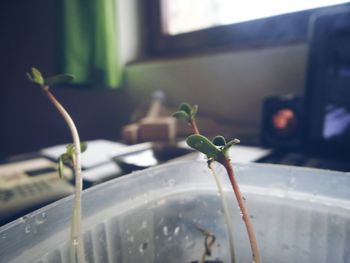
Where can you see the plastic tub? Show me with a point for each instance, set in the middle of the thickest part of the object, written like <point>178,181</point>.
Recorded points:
<point>300,215</point>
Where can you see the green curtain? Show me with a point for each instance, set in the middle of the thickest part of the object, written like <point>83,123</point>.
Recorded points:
<point>90,49</point>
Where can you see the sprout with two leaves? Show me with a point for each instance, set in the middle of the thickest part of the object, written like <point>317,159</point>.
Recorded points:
<point>72,156</point>
<point>218,150</point>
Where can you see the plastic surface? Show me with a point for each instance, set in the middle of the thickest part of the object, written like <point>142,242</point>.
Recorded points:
<point>299,215</point>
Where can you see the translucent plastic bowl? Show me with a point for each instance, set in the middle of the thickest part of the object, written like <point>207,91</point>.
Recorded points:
<point>300,215</point>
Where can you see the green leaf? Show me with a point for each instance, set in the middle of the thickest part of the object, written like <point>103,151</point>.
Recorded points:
<point>186,108</point>
<point>83,147</point>
<point>229,144</point>
<point>219,140</point>
<point>70,149</point>
<point>58,79</point>
<point>194,110</point>
<point>232,142</point>
<point>60,166</point>
<point>66,158</point>
<point>181,115</point>
<point>203,145</point>
<point>37,76</point>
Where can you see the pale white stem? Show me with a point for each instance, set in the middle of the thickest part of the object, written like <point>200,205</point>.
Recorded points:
<point>226,212</point>
<point>77,245</point>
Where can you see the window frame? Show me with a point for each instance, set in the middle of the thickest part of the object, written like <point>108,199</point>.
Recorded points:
<point>257,33</point>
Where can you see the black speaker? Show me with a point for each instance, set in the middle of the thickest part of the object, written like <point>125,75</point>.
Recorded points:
<point>282,121</point>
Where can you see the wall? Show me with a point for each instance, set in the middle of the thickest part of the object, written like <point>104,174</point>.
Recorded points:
<point>30,36</point>
<point>228,86</point>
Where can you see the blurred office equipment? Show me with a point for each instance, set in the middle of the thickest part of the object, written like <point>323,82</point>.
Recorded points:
<point>327,93</point>
<point>30,184</point>
<point>323,136</point>
<point>152,127</point>
<point>282,121</point>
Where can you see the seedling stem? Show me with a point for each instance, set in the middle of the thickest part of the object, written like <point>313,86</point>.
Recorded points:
<point>76,242</point>
<point>217,150</point>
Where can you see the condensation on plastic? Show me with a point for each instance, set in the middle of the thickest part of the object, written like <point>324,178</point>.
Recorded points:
<point>299,215</point>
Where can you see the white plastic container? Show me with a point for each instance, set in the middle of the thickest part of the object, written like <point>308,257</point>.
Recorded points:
<point>300,215</point>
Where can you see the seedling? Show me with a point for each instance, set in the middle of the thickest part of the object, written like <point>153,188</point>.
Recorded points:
<point>187,113</point>
<point>72,155</point>
<point>218,150</point>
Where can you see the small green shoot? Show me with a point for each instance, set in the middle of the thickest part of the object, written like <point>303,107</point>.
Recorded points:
<point>218,150</point>
<point>203,145</point>
<point>187,113</point>
<point>37,78</point>
<point>68,157</point>
<point>73,155</point>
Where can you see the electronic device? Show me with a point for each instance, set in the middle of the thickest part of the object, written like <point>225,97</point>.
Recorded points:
<point>29,184</point>
<point>327,118</point>
<point>323,132</point>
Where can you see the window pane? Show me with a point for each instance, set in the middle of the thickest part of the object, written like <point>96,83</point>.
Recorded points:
<point>181,16</point>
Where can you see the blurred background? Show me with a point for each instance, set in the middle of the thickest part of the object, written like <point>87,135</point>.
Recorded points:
<point>275,74</point>
<point>226,56</point>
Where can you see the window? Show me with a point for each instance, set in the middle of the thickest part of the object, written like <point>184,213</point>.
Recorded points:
<point>191,25</point>
<point>182,16</point>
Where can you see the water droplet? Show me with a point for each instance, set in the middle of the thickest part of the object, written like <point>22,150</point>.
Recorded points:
<point>176,230</point>
<point>180,215</point>
<point>28,229</point>
<point>41,218</point>
<point>127,231</point>
<point>3,236</point>
<point>26,217</point>
<point>156,237</point>
<point>144,224</point>
<point>170,238</point>
<point>143,247</point>
<point>165,231</point>
<point>131,239</point>
<point>75,242</point>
